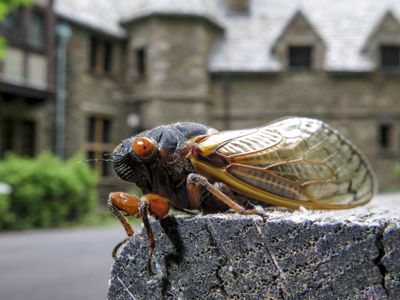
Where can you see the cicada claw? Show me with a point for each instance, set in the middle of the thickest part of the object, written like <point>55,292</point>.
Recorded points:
<point>257,210</point>
<point>117,246</point>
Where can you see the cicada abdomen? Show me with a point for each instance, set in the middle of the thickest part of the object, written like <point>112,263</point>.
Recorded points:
<point>291,162</point>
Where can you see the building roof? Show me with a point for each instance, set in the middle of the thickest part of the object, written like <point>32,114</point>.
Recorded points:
<point>107,16</point>
<point>195,8</point>
<point>99,15</point>
<point>247,42</point>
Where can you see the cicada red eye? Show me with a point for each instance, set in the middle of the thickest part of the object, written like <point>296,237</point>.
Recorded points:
<point>143,147</point>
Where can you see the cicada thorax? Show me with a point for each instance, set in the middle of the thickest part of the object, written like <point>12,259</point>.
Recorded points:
<point>291,162</point>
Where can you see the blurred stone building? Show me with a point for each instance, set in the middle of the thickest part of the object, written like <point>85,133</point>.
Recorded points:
<point>127,65</point>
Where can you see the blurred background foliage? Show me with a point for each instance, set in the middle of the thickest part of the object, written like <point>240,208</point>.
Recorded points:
<point>46,191</point>
<point>7,5</point>
<point>397,169</point>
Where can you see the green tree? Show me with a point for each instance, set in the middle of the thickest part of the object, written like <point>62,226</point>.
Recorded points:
<point>5,7</point>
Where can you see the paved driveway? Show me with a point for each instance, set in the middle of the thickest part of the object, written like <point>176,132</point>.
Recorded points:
<point>57,264</point>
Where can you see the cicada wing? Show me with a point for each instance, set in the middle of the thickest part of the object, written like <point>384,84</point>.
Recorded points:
<point>300,159</point>
<point>238,142</point>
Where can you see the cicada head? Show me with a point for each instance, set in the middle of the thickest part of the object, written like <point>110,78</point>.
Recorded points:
<point>132,157</point>
<point>141,158</point>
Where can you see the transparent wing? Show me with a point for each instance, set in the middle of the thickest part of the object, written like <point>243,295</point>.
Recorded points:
<point>299,159</point>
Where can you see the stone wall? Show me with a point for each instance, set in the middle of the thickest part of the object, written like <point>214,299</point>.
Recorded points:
<point>355,105</point>
<point>302,254</point>
<point>89,94</point>
<point>176,84</point>
<point>300,32</point>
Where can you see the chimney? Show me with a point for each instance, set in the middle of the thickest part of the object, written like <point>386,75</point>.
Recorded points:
<point>237,6</point>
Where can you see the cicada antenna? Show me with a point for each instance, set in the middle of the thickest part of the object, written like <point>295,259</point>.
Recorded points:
<point>99,159</point>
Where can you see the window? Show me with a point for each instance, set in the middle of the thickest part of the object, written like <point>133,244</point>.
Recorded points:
<point>384,136</point>
<point>141,62</point>
<point>27,138</point>
<point>18,136</point>
<point>99,145</point>
<point>7,136</point>
<point>100,56</point>
<point>300,57</point>
<point>12,25</point>
<point>107,57</point>
<point>37,29</point>
<point>31,33</point>
<point>390,56</point>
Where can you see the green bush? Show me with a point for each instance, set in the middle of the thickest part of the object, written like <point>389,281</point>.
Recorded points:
<point>46,192</point>
<point>396,169</point>
<point>6,216</point>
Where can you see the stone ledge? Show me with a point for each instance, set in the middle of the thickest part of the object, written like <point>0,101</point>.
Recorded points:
<point>302,254</point>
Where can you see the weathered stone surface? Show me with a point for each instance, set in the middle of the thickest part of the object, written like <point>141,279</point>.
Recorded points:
<point>352,254</point>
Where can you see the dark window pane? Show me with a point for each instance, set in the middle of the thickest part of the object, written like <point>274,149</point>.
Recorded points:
<point>384,136</point>
<point>27,138</point>
<point>107,57</point>
<point>390,56</point>
<point>12,24</point>
<point>300,57</point>
<point>100,60</point>
<point>7,136</point>
<point>99,146</point>
<point>36,30</point>
<point>106,131</point>
<point>91,157</point>
<point>18,136</point>
<point>91,129</point>
<point>105,166</point>
<point>93,52</point>
<point>141,62</point>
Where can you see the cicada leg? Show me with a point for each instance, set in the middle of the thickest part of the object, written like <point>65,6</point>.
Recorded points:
<point>138,207</point>
<point>144,211</point>
<point>113,200</point>
<point>196,180</point>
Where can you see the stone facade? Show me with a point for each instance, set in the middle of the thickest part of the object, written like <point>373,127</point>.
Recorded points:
<point>299,32</point>
<point>356,105</point>
<point>94,95</point>
<point>177,85</point>
<point>88,93</point>
<point>182,63</point>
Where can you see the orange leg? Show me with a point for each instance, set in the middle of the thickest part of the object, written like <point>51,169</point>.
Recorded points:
<point>138,207</point>
<point>114,204</point>
<point>194,181</point>
<point>144,211</point>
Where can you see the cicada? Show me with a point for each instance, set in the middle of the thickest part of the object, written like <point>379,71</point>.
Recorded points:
<point>292,162</point>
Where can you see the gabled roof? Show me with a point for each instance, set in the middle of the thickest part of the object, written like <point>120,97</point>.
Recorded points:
<point>298,16</point>
<point>387,18</point>
<point>245,46</point>
<point>344,25</point>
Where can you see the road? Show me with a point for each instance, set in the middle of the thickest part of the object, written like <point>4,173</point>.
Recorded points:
<point>57,264</point>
